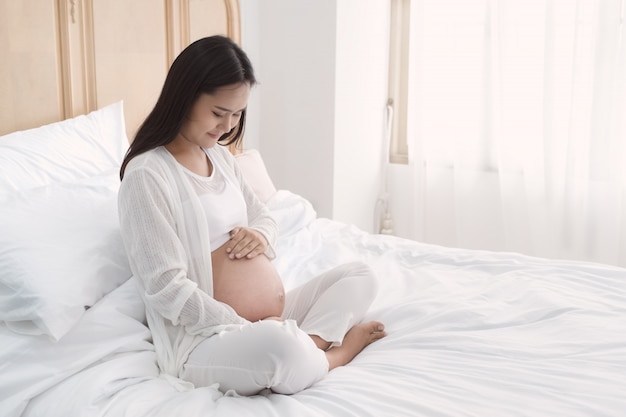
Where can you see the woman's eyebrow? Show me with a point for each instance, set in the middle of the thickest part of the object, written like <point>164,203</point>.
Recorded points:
<point>228,110</point>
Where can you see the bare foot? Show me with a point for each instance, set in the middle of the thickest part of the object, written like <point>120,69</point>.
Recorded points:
<point>354,342</point>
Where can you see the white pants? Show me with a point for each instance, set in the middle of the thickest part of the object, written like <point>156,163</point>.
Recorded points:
<point>281,355</point>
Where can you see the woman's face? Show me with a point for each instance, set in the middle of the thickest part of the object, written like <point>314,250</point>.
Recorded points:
<point>212,115</point>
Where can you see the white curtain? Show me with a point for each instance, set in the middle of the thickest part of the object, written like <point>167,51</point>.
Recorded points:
<point>517,126</point>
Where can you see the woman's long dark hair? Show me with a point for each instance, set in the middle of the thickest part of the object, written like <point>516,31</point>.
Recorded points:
<point>204,66</point>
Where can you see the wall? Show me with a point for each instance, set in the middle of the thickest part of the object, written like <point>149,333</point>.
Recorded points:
<point>317,115</point>
<point>360,102</point>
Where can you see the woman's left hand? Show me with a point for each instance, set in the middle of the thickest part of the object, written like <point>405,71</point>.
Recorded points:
<point>245,243</point>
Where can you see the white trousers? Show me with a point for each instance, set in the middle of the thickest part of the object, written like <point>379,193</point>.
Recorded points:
<point>281,355</point>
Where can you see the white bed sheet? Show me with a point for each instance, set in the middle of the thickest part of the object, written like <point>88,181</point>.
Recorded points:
<point>470,333</point>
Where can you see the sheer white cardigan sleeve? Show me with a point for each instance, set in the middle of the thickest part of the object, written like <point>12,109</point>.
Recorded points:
<point>259,217</point>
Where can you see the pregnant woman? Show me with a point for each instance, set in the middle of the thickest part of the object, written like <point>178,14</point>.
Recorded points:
<point>200,246</point>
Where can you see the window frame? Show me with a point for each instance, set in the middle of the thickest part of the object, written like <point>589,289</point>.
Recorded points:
<point>399,31</point>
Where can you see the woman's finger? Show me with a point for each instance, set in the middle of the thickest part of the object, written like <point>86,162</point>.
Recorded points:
<point>246,243</point>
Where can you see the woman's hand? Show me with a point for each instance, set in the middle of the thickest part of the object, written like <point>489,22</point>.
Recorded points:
<point>245,243</point>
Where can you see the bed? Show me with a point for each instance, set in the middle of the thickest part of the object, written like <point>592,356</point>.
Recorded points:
<point>470,333</point>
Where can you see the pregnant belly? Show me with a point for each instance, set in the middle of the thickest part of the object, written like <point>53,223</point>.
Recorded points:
<point>252,287</point>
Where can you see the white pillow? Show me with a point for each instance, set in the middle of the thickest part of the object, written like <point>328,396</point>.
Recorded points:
<point>291,211</point>
<point>60,248</point>
<point>60,252</point>
<point>254,172</point>
<point>64,151</point>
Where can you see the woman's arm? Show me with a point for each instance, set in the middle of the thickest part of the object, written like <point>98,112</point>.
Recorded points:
<point>259,217</point>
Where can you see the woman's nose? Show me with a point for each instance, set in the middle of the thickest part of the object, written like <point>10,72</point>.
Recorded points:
<point>228,122</point>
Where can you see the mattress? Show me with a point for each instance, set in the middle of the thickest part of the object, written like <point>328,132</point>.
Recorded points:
<point>470,333</point>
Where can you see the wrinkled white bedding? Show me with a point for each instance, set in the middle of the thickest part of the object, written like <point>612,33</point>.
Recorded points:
<point>470,333</point>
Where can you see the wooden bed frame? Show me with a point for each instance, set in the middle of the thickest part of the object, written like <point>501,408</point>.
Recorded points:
<point>63,58</point>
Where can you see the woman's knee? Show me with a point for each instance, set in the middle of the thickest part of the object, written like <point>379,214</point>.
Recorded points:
<point>282,339</point>
<point>265,354</point>
<point>297,362</point>
<point>365,280</point>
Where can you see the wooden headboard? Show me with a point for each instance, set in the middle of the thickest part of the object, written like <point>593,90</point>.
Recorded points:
<point>62,58</point>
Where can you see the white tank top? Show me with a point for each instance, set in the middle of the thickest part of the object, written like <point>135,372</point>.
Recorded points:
<point>222,201</point>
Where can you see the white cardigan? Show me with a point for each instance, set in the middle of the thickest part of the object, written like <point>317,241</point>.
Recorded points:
<point>169,252</point>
